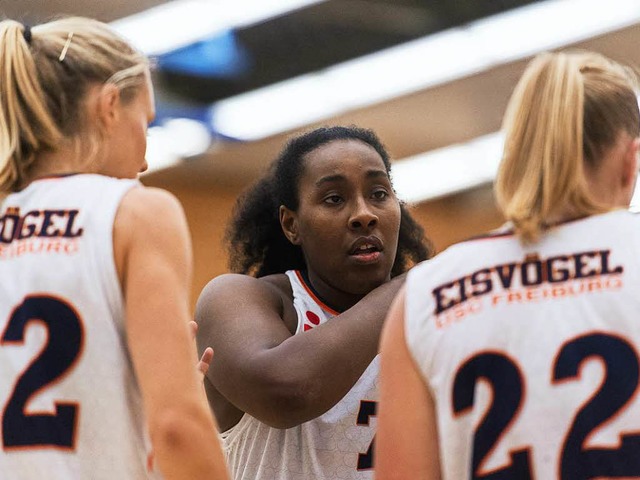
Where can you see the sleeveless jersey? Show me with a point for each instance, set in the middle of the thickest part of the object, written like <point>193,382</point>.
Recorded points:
<point>335,445</point>
<point>71,404</point>
<point>531,352</point>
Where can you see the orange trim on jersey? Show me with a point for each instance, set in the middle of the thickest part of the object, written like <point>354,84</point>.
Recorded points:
<point>320,303</point>
<point>501,234</point>
<point>490,236</point>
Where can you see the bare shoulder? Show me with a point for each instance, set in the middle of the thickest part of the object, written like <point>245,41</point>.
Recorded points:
<point>280,283</point>
<point>149,206</point>
<point>150,223</point>
<point>273,289</point>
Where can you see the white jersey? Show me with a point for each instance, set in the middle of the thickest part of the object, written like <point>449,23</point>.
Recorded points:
<point>336,445</point>
<point>531,352</point>
<point>71,407</point>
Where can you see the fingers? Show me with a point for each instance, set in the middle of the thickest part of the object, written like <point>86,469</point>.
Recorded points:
<point>205,360</point>
<point>207,355</point>
<point>193,328</point>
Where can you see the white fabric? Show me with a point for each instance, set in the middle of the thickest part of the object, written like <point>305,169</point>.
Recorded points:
<point>325,448</point>
<point>73,265</point>
<point>590,288</point>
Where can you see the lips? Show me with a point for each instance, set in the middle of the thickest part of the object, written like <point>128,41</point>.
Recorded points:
<point>366,245</point>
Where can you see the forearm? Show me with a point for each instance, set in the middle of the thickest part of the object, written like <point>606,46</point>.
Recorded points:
<point>186,445</point>
<point>305,375</point>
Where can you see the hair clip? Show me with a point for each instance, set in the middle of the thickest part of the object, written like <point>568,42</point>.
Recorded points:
<point>26,33</point>
<point>63,54</point>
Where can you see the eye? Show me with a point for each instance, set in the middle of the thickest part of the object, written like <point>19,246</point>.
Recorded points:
<point>333,199</point>
<point>380,194</point>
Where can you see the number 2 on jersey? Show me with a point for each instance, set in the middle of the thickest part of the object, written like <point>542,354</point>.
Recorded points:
<point>577,460</point>
<point>64,344</point>
<point>506,382</point>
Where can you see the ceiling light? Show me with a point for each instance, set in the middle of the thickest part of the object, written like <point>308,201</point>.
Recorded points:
<point>448,170</point>
<point>417,65</point>
<point>179,23</point>
<point>454,169</point>
<point>174,140</point>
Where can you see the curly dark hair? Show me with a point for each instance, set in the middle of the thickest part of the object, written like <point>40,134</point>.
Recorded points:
<point>256,242</point>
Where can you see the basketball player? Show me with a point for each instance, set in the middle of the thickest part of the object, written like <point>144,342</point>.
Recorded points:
<point>95,351</point>
<point>317,240</point>
<point>515,355</point>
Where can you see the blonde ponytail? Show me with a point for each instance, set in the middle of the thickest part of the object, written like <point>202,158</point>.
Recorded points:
<point>42,89</point>
<point>25,123</point>
<point>566,110</point>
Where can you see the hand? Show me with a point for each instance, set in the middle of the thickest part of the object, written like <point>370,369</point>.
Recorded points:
<point>207,355</point>
<point>205,361</point>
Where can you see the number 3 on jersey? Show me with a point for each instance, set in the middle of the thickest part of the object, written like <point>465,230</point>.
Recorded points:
<point>366,411</point>
<point>577,460</point>
<point>21,429</point>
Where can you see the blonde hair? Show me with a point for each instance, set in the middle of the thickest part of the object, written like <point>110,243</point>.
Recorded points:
<point>567,110</point>
<point>42,90</point>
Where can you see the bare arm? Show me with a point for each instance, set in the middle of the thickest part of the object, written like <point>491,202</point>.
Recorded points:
<point>264,370</point>
<point>153,256</point>
<point>407,431</point>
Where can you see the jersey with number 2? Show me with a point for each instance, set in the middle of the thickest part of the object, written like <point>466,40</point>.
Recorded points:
<point>70,403</point>
<point>532,352</point>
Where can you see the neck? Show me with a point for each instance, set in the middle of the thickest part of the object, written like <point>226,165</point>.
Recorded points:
<point>562,215</point>
<point>333,297</point>
<point>64,160</point>
<point>609,187</point>
<point>611,180</point>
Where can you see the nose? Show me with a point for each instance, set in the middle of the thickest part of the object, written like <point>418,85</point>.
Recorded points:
<point>362,216</point>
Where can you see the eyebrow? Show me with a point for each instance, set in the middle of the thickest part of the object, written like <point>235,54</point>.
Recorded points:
<point>339,177</point>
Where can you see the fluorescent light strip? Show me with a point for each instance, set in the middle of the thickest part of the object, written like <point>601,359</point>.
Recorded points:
<point>174,141</point>
<point>448,170</point>
<point>454,169</point>
<point>178,23</point>
<point>417,65</point>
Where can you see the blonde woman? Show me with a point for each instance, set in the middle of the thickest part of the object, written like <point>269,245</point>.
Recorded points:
<point>515,355</point>
<point>95,352</point>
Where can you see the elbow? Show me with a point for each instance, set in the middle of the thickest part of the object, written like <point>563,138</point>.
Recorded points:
<point>185,444</point>
<point>285,413</point>
<point>173,431</point>
<point>292,402</point>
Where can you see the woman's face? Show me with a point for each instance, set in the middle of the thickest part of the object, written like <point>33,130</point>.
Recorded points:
<point>128,138</point>
<point>348,219</point>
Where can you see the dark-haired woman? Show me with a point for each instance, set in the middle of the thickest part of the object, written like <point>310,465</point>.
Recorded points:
<point>320,243</point>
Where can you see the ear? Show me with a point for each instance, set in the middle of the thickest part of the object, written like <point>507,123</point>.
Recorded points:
<point>289,224</point>
<point>108,106</point>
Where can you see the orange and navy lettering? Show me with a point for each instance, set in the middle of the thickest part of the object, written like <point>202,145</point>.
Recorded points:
<point>39,232</point>
<point>15,225</point>
<point>533,271</point>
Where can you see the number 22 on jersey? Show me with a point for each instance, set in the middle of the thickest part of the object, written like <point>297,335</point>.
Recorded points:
<point>576,459</point>
<point>63,346</point>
